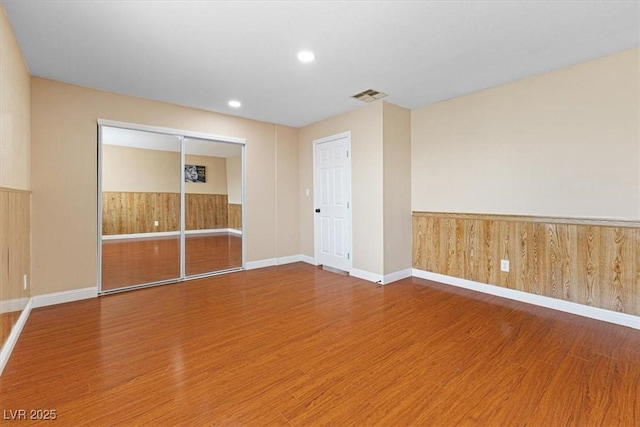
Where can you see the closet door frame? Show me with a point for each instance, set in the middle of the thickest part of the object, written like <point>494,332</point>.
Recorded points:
<point>182,134</point>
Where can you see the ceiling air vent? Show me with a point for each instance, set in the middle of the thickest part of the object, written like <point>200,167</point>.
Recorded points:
<point>369,95</point>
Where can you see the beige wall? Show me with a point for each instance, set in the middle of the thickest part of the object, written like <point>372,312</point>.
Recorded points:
<point>155,171</point>
<point>288,201</point>
<point>64,145</point>
<point>216,175</point>
<point>397,188</point>
<point>140,170</point>
<point>234,179</point>
<point>365,125</point>
<point>15,107</point>
<point>565,143</point>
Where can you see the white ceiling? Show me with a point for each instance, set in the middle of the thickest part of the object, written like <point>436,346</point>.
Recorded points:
<point>204,53</point>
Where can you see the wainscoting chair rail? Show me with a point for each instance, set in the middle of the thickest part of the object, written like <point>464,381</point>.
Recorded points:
<point>606,222</point>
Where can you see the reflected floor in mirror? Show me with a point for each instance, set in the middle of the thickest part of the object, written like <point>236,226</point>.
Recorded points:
<point>138,261</point>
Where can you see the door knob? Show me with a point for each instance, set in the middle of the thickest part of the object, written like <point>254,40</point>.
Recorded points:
<point>317,210</point>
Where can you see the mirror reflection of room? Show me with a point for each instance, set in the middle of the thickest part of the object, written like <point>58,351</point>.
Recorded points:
<point>213,206</point>
<point>141,207</point>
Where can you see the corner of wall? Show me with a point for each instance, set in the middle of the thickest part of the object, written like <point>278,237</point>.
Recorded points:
<point>287,191</point>
<point>396,188</point>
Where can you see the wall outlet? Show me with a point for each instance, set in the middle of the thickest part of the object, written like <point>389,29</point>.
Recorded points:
<point>156,223</point>
<point>24,282</point>
<point>504,265</point>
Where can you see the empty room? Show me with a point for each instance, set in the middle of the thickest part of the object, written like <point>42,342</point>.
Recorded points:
<point>320,213</point>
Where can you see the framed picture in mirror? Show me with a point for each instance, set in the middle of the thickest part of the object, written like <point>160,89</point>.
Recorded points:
<point>195,173</point>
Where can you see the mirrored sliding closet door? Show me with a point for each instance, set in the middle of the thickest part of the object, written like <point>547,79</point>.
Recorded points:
<point>170,207</point>
<point>213,206</point>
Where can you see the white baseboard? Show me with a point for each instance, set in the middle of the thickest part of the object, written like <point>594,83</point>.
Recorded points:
<point>398,275</point>
<point>270,262</point>
<point>213,231</point>
<point>12,339</point>
<point>65,296</point>
<point>371,277</point>
<point>252,265</point>
<point>308,259</point>
<point>11,305</point>
<point>379,278</point>
<point>169,234</point>
<point>548,302</point>
<point>140,235</point>
<point>289,259</point>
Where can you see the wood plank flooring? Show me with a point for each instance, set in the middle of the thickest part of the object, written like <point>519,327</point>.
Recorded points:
<point>138,261</point>
<point>295,345</point>
<point>7,320</point>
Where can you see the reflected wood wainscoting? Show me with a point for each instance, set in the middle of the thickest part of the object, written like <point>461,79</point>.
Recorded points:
<point>206,211</point>
<point>134,212</point>
<point>298,346</point>
<point>235,216</point>
<point>130,262</point>
<point>590,262</point>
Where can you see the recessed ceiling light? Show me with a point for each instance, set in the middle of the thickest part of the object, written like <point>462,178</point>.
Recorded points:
<point>235,104</point>
<point>306,56</point>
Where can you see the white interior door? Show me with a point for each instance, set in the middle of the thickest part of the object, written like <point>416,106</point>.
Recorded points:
<point>332,197</point>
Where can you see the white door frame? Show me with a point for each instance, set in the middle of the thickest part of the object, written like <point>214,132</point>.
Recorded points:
<point>316,196</point>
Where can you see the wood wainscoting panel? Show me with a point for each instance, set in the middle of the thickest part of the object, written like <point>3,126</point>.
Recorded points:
<point>206,211</point>
<point>15,208</point>
<point>235,216</point>
<point>15,250</point>
<point>134,212</point>
<point>590,262</point>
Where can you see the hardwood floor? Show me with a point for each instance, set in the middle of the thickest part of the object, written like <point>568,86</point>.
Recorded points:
<point>296,345</point>
<point>7,320</point>
<point>138,261</point>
